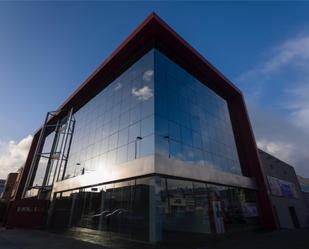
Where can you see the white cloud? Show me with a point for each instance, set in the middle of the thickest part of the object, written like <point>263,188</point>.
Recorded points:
<point>147,76</point>
<point>280,149</point>
<point>298,105</point>
<point>281,138</point>
<point>281,81</point>
<point>13,155</point>
<point>118,86</point>
<point>290,53</point>
<point>288,150</point>
<point>143,93</point>
<point>295,51</point>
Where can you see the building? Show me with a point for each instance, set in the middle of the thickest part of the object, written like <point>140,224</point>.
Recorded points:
<point>288,200</point>
<point>156,142</point>
<point>18,178</point>
<point>304,186</point>
<point>9,186</point>
<point>304,183</point>
<point>2,184</point>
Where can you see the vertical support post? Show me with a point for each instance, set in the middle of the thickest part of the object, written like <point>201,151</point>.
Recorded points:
<point>102,206</point>
<point>70,133</point>
<point>72,210</point>
<point>249,158</point>
<point>51,212</point>
<point>155,219</point>
<point>63,146</point>
<point>50,159</point>
<point>27,166</point>
<point>36,159</point>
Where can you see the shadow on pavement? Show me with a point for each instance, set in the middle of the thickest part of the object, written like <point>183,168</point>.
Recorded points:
<point>40,239</point>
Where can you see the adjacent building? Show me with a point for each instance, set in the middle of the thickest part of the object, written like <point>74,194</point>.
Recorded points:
<point>9,186</point>
<point>155,143</point>
<point>304,186</point>
<point>2,184</point>
<point>289,202</point>
<point>16,185</point>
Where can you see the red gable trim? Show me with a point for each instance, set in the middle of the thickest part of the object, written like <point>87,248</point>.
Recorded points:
<point>153,32</point>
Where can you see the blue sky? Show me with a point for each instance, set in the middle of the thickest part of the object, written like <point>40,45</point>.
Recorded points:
<point>47,49</point>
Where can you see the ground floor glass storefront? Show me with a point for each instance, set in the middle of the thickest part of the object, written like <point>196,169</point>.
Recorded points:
<point>155,208</point>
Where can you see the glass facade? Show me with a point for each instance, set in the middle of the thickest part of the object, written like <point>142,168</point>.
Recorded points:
<point>192,122</point>
<point>121,208</point>
<point>117,125</point>
<point>155,208</point>
<point>153,107</point>
<point>198,208</point>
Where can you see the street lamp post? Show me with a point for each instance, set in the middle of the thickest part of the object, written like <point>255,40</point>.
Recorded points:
<point>168,141</point>
<point>137,138</point>
<point>77,164</point>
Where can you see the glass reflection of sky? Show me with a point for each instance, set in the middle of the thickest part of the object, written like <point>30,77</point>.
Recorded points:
<point>192,122</point>
<point>154,96</point>
<point>108,126</point>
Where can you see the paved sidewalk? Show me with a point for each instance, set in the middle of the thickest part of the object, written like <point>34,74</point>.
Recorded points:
<point>38,239</point>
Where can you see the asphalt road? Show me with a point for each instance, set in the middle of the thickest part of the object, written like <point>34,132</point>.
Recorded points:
<point>38,239</point>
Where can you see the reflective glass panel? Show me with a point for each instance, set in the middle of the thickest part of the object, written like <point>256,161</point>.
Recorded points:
<point>115,122</point>
<point>194,119</point>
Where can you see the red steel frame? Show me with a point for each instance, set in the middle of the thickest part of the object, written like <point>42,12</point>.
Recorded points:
<point>154,32</point>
